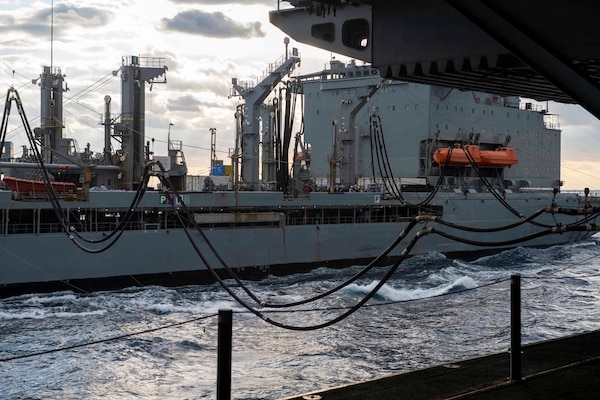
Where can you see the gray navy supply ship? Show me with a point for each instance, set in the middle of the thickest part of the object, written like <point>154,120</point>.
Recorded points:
<point>376,168</point>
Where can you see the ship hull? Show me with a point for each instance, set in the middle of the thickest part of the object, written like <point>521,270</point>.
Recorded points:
<point>168,257</point>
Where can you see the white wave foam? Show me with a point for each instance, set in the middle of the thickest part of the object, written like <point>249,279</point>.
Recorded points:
<point>390,293</point>
<point>61,298</point>
<point>43,314</point>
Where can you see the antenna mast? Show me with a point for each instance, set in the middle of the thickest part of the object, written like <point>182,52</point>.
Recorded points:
<point>51,36</point>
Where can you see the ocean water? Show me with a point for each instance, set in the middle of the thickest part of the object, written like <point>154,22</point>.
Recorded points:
<point>161,343</point>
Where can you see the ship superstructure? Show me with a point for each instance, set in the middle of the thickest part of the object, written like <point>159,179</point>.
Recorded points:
<point>120,164</point>
<point>417,119</point>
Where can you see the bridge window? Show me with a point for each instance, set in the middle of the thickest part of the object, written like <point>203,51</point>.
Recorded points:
<point>323,31</point>
<point>355,33</point>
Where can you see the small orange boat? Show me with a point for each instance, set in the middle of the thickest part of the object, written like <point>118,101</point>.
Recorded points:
<point>457,157</point>
<point>499,158</point>
<point>19,185</point>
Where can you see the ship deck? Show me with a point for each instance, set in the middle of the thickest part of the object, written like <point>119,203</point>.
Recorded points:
<point>565,368</point>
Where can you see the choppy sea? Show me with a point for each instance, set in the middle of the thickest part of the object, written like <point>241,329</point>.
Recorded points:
<point>161,343</point>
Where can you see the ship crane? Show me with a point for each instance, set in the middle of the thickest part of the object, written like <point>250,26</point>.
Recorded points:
<point>248,135</point>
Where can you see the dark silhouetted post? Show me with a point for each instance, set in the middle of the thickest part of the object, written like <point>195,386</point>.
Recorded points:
<point>515,328</point>
<point>224,355</point>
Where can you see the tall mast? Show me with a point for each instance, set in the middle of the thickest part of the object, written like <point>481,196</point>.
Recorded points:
<point>135,73</point>
<point>52,35</point>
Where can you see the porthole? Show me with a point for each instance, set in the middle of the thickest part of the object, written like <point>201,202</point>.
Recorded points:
<point>355,33</point>
<point>323,31</point>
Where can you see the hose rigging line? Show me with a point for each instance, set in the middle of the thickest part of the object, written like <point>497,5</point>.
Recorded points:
<point>438,184</point>
<point>358,305</point>
<point>503,201</point>
<point>53,198</point>
<point>243,286</point>
<point>380,154</point>
<point>382,157</point>
<point>441,221</point>
<point>139,194</point>
<point>37,155</point>
<point>120,229</point>
<point>74,235</point>
<point>490,187</point>
<point>405,253</point>
<point>493,229</point>
<point>264,303</point>
<point>418,236</point>
<point>558,229</point>
<point>331,322</point>
<point>573,211</point>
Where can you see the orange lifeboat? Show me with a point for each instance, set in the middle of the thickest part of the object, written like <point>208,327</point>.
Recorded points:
<point>457,157</point>
<point>499,158</point>
<point>19,185</point>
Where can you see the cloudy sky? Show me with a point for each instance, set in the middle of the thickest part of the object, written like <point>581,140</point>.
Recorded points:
<point>205,43</point>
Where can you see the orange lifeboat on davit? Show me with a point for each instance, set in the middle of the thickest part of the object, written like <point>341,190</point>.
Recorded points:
<point>499,158</point>
<point>458,156</point>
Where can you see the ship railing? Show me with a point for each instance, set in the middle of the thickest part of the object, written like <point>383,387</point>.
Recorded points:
<point>95,227</point>
<point>21,228</point>
<point>359,219</point>
<point>551,121</point>
<point>272,67</point>
<point>27,228</point>
<point>176,145</point>
<point>321,220</point>
<point>581,192</point>
<point>144,62</point>
<point>110,226</point>
<point>528,106</point>
<point>151,226</point>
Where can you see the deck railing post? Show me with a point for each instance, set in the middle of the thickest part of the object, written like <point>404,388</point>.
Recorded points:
<point>224,347</point>
<point>515,328</point>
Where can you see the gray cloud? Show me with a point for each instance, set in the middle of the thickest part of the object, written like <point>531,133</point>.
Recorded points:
<point>65,16</point>
<point>578,127</point>
<point>73,15</point>
<point>214,25</point>
<point>190,103</point>
<point>16,43</point>
<point>6,20</point>
<point>34,29</point>
<point>184,103</point>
